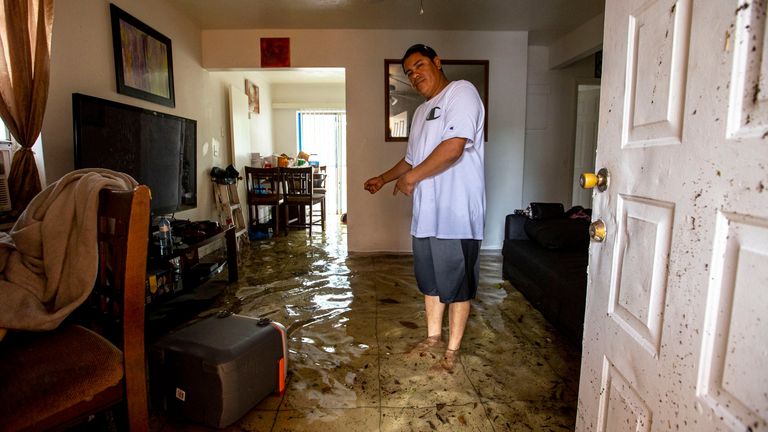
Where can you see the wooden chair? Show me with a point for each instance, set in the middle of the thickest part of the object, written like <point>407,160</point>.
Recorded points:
<point>95,359</point>
<point>299,193</point>
<point>263,189</point>
<point>319,177</point>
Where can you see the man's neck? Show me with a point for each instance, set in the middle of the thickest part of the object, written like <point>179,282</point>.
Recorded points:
<point>443,84</point>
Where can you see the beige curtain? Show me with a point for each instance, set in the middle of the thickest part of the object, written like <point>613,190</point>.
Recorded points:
<point>25,54</point>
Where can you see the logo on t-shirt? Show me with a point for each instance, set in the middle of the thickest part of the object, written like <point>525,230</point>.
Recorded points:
<point>433,114</point>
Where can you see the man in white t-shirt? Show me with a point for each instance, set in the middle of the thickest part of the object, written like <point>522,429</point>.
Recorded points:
<point>443,171</point>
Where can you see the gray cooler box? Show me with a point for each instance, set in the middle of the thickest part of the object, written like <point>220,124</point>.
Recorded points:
<point>217,369</point>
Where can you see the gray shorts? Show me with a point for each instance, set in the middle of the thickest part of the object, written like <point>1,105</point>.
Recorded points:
<point>447,268</point>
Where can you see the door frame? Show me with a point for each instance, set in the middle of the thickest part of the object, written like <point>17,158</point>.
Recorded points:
<point>575,108</point>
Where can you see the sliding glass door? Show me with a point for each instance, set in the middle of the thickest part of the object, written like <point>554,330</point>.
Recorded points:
<point>322,134</point>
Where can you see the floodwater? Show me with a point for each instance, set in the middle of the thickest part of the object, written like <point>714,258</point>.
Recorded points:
<point>351,322</point>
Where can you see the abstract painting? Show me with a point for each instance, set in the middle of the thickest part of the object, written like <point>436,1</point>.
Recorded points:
<point>143,59</point>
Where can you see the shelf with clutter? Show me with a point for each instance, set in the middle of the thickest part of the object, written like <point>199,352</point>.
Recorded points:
<point>179,280</point>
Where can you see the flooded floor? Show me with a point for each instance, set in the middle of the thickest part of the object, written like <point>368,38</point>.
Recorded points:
<point>351,322</point>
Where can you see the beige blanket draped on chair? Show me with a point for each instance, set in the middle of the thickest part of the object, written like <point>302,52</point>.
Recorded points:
<point>48,261</point>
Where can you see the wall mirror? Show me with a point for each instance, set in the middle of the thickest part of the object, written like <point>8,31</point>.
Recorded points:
<point>401,100</point>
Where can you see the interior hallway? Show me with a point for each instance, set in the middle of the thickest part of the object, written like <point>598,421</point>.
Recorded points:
<point>351,321</point>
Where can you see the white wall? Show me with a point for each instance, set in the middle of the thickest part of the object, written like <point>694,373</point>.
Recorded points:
<point>381,222</point>
<point>284,131</point>
<point>550,126</point>
<point>289,98</point>
<point>82,61</point>
<point>308,95</point>
<point>262,132</point>
<point>260,124</point>
<point>583,41</point>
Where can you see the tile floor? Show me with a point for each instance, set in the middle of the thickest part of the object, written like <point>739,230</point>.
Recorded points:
<point>351,321</point>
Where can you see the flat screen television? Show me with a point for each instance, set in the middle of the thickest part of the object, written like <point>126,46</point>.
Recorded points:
<point>156,149</point>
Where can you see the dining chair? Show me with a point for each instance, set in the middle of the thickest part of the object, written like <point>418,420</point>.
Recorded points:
<point>94,360</point>
<point>264,189</point>
<point>319,177</point>
<point>300,194</point>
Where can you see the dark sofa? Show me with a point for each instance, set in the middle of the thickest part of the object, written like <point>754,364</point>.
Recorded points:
<point>545,258</point>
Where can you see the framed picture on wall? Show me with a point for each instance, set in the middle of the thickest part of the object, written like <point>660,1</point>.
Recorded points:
<point>143,59</point>
<point>252,90</point>
<point>275,52</point>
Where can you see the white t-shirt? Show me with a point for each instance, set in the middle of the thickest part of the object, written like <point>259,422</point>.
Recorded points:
<point>449,205</point>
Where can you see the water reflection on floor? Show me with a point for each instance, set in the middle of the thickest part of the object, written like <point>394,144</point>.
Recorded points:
<point>351,321</point>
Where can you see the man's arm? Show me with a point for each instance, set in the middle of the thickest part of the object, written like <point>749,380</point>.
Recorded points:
<point>373,184</point>
<point>441,158</point>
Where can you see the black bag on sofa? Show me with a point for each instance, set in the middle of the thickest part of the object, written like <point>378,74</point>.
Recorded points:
<point>550,226</point>
<point>543,211</point>
<point>559,234</point>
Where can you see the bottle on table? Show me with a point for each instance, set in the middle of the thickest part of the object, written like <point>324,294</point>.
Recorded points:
<point>165,238</point>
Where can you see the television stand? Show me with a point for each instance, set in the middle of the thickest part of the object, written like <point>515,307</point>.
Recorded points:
<point>181,283</point>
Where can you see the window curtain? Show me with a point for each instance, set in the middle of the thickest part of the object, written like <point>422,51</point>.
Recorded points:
<point>25,54</point>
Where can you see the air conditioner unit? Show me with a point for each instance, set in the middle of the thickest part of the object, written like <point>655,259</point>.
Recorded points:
<point>6,151</point>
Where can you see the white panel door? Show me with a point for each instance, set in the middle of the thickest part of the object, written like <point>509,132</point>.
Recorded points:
<point>676,324</point>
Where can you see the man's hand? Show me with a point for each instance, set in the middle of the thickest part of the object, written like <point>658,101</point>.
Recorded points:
<point>374,184</point>
<point>405,184</point>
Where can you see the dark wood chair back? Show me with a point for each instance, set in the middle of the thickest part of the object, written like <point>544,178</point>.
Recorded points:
<point>94,360</point>
<point>319,177</point>
<point>299,185</point>
<point>263,185</point>
<point>264,188</point>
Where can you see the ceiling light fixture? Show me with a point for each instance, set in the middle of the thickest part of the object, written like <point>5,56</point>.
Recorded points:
<point>421,7</point>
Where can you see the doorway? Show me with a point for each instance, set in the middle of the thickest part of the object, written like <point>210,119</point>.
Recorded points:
<point>585,140</point>
<point>317,96</point>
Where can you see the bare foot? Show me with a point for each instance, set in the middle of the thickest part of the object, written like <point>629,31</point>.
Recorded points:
<point>427,344</point>
<point>448,362</point>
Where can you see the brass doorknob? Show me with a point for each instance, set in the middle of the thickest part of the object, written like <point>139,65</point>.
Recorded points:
<point>597,230</point>
<point>590,180</point>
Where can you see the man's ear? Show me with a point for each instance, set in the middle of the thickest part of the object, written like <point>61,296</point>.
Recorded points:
<point>438,62</point>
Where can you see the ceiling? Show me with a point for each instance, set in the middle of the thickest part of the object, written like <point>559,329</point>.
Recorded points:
<point>545,20</point>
